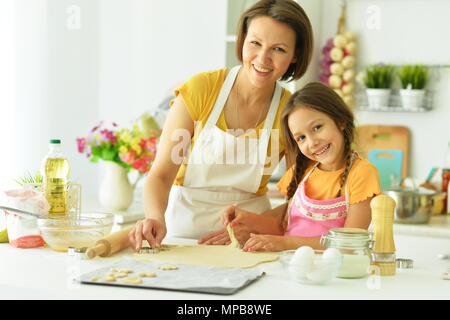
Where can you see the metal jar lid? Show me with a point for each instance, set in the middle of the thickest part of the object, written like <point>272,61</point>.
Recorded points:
<point>350,238</point>
<point>404,263</point>
<point>78,253</point>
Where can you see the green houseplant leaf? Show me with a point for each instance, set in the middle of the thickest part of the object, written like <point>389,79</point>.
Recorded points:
<point>414,75</point>
<point>379,76</point>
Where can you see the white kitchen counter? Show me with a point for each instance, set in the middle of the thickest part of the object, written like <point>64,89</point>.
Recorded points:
<point>41,273</point>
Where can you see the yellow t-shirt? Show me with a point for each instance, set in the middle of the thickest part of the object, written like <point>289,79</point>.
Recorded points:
<point>363,181</point>
<point>200,93</point>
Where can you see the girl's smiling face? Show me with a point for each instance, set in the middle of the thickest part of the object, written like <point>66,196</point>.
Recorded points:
<point>268,50</point>
<point>318,137</point>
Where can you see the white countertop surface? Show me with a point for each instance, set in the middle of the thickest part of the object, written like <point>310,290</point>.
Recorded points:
<point>41,273</point>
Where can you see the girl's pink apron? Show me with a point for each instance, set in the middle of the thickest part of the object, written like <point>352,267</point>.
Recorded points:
<point>312,218</point>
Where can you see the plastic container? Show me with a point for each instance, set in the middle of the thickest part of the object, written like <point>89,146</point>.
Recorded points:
<point>354,245</point>
<point>55,169</point>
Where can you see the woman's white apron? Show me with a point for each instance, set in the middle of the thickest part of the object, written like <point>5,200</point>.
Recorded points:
<point>222,170</point>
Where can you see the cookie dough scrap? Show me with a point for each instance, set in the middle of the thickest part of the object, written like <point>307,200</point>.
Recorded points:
<point>117,274</point>
<point>131,280</point>
<point>234,243</point>
<point>167,267</point>
<point>105,278</point>
<point>147,274</point>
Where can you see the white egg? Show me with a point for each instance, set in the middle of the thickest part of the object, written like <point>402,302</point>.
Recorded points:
<point>332,256</point>
<point>299,272</point>
<point>319,275</point>
<point>303,256</point>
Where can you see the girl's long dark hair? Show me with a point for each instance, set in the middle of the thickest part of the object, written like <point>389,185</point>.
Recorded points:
<point>319,97</point>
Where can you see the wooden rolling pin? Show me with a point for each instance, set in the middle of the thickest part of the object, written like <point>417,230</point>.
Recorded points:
<point>383,252</point>
<point>111,244</point>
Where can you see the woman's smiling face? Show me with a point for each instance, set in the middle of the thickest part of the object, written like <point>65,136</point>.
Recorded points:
<point>318,137</point>
<point>268,50</point>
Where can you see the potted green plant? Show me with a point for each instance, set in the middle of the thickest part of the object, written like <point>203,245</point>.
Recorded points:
<point>413,79</point>
<point>378,79</point>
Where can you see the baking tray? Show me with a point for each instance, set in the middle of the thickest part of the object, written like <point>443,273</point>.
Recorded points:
<point>213,280</point>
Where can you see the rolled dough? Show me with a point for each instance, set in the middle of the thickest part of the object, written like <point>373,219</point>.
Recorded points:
<point>230,256</point>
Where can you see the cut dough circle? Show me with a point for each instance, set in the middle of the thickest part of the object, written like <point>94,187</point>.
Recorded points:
<point>131,280</point>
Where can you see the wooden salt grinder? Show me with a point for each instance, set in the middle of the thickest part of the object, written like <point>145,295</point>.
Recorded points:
<point>383,252</point>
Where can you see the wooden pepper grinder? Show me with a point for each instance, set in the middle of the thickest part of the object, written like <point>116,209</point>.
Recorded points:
<point>383,252</point>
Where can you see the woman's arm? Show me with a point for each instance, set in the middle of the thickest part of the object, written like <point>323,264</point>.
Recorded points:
<point>160,178</point>
<point>168,159</point>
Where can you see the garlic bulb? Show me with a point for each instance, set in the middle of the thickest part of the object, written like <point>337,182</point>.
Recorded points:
<point>336,54</point>
<point>340,41</point>
<point>337,69</point>
<point>335,81</point>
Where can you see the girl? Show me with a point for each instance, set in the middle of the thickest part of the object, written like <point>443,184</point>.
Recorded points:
<point>329,186</point>
<point>274,42</point>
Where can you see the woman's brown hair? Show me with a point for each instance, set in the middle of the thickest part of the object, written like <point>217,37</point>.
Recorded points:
<point>290,13</point>
<point>319,97</point>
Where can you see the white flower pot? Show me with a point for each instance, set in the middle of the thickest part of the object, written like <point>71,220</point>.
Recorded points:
<point>412,99</point>
<point>378,98</point>
<point>116,192</point>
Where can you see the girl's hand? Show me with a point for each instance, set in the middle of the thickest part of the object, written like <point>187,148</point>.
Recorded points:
<point>265,242</point>
<point>237,216</point>
<point>148,229</point>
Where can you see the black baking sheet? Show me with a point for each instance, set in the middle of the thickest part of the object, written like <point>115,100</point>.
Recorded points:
<point>214,280</point>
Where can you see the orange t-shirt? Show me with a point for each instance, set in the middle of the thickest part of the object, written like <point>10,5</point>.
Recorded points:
<point>363,182</point>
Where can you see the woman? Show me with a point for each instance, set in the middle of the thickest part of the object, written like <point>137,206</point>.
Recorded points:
<point>274,42</point>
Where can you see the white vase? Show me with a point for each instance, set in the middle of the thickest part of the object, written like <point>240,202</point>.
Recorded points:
<point>116,192</point>
<point>412,99</point>
<point>378,98</point>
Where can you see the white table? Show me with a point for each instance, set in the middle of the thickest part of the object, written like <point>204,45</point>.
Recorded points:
<point>41,273</point>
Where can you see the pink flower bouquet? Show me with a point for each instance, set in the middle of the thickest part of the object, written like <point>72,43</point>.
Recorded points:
<point>129,148</point>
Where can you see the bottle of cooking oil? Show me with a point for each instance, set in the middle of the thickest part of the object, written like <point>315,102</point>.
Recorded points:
<point>55,170</point>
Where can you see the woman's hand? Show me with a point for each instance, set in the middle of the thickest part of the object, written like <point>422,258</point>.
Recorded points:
<point>265,242</point>
<point>221,237</point>
<point>148,229</point>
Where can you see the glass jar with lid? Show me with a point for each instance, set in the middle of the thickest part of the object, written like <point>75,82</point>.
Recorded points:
<point>355,245</point>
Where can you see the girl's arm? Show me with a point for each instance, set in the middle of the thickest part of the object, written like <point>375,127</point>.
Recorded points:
<point>244,223</point>
<point>358,216</point>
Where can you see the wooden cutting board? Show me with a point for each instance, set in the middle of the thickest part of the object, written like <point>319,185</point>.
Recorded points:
<point>376,137</point>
